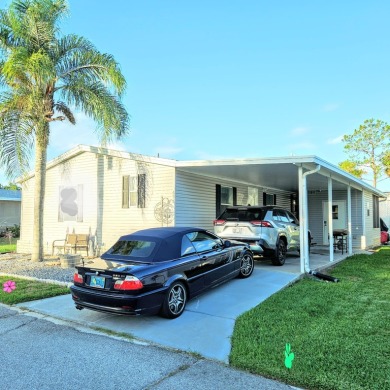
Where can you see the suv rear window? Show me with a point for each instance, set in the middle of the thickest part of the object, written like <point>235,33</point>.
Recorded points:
<point>243,214</point>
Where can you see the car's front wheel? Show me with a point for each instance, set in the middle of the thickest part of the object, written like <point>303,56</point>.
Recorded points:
<point>247,265</point>
<point>174,301</point>
<point>280,253</point>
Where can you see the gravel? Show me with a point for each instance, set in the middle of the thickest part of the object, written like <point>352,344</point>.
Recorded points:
<point>15,264</point>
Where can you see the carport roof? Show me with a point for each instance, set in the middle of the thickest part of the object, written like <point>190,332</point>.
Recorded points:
<point>277,173</point>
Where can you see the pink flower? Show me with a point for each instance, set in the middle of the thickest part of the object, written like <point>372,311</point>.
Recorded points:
<point>9,286</point>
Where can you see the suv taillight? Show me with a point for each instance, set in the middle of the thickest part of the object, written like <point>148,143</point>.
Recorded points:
<point>262,223</point>
<point>219,222</point>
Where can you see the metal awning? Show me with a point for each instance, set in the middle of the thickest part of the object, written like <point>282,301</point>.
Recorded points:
<point>277,173</point>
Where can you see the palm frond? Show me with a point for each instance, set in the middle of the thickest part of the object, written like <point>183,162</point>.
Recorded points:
<point>99,104</point>
<point>66,111</point>
<point>16,143</point>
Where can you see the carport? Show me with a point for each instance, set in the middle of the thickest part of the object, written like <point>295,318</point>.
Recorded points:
<point>313,181</point>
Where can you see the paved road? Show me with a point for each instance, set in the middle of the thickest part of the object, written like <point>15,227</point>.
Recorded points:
<point>42,353</point>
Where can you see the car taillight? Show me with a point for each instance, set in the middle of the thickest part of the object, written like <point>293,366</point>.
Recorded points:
<point>262,223</point>
<point>129,283</point>
<point>219,222</point>
<point>77,278</point>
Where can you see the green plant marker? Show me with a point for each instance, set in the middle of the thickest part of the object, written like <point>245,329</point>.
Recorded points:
<point>289,356</point>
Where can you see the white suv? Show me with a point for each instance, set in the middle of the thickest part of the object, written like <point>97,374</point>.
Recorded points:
<point>269,230</point>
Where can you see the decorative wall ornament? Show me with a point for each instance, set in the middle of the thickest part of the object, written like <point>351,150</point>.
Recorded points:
<point>164,211</point>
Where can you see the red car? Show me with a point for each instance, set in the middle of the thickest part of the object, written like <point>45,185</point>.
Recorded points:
<point>384,232</point>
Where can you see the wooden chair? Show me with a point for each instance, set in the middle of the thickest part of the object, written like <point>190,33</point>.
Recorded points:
<point>72,242</point>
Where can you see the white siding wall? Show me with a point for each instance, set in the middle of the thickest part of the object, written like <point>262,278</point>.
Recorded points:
<point>103,216</point>
<point>80,170</point>
<point>315,206</point>
<point>196,198</point>
<point>117,221</point>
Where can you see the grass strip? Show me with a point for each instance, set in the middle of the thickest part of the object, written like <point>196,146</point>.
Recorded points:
<point>29,290</point>
<point>339,332</point>
<point>7,246</point>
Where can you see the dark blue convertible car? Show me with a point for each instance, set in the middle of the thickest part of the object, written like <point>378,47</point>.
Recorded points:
<point>157,270</point>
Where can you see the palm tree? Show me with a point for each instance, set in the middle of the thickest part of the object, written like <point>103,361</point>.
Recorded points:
<point>43,77</point>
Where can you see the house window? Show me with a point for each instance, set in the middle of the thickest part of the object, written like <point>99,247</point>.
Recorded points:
<point>335,211</point>
<point>133,191</point>
<point>269,199</point>
<point>226,196</point>
<point>375,209</point>
<point>253,196</point>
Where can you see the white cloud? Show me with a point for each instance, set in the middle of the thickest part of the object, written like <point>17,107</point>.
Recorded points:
<point>334,141</point>
<point>329,107</point>
<point>298,131</point>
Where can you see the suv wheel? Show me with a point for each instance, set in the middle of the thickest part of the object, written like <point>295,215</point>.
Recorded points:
<point>280,253</point>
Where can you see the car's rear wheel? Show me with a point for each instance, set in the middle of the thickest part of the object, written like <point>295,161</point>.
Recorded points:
<point>174,301</point>
<point>247,265</point>
<point>280,253</point>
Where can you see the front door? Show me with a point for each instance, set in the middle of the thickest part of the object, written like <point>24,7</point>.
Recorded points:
<point>339,216</point>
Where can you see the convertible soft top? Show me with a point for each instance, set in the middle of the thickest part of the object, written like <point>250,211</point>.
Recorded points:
<point>167,244</point>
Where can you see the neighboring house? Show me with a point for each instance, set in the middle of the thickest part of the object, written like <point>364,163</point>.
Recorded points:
<point>10,204</point>
<point>384,209</point>
<point>107,193</point>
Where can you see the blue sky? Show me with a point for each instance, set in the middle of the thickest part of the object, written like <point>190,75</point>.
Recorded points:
<point>239,79</point>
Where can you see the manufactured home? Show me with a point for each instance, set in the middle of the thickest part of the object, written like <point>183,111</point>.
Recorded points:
<point>10,204</point>
<point>106,193</point>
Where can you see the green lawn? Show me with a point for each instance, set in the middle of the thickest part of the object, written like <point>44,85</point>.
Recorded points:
<point>5,246</point>
<point>339,332</point>
<point>29,290</point>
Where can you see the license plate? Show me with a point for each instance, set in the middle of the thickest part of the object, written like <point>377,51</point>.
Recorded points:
<point>237,230</point>
<point>97,281</point>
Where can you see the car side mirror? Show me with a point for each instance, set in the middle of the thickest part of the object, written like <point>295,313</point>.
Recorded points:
<point>227,244</point>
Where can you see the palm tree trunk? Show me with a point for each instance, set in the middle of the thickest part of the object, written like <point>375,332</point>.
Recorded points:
<point>39,195</point>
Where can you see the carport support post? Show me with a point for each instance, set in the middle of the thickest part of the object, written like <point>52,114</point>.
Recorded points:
<point>304,218</point>
<point>330,219</point>
<point>301,214</point>
<point>349,201</point>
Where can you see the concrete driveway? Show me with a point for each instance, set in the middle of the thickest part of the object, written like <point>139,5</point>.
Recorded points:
<point>207,324</point>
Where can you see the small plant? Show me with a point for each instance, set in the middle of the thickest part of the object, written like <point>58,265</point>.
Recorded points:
<point>15,230</point>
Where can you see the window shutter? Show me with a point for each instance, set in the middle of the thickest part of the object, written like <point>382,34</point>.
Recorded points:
<point>217,200</point>
<point>234,196</point>
<point>125,192</point>
<point>141,190</point>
